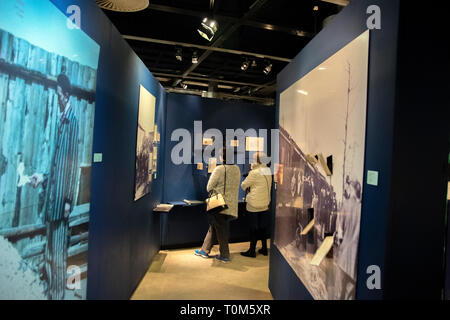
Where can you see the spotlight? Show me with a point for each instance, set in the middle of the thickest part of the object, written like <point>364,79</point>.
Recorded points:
<point>208,28</point>
<point>179,54</point>
<point>184,85</point>
<point>245,65</point>
<point>254,65</point>
<point>267,69</point>
<point>195,57</point>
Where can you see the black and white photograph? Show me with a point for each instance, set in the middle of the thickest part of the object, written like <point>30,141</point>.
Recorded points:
<point>323,115</point>
<point>47,105</point>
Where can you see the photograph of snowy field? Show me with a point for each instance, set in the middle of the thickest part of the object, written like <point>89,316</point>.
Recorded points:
<point>321,156</point>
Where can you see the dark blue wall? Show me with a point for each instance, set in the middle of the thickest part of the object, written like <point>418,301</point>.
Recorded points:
<point>182,111</point>
<point>187,226</point>
<point>349,24</point>
<point>123,234</point>
<point>420,158</point>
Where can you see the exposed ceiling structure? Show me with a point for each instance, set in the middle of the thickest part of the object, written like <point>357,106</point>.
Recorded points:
<point>255,40</point>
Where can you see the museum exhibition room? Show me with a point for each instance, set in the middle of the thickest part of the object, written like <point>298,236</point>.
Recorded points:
<point>235,150</point>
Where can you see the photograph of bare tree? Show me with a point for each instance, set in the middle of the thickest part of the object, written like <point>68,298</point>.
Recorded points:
<point>323,115</point>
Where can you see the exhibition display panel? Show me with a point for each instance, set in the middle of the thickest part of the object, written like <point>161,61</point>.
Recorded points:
<point>48,82</point>
<point>323,113</point>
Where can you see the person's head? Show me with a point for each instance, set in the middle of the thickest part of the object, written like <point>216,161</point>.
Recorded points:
<point>347,188</point>
<point>63,90</point>
<point>223,155</point>
<point>261,158</point>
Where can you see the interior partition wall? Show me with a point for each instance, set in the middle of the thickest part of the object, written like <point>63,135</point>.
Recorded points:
<point>187,225</point>
<point>123,234</point>
<point>396,242</point>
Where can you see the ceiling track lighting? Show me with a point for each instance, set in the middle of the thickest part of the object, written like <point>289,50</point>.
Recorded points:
<point>268,68</point>
<point>195,57</point>
<point>208,28</point>
<point>245,65</point>
<point>183,85</point>
<point>179,54</point>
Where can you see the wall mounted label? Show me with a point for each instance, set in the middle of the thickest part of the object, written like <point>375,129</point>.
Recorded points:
<point>207,141</point>
<point>98,157</point>
<point>372,177</point>
<point>234,143</point>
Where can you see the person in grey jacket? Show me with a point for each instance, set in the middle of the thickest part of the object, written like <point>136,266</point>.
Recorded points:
<point>224,180</point>
<point>258,185</point>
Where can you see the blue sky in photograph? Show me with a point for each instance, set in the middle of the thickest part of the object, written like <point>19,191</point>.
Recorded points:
<point>43,25</point>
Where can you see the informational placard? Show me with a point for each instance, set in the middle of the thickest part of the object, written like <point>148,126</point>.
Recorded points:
<point>207,141</point>
<point>323,162</point>
<point>163,207</point>
<point>323,250</point>
<point>308,228</point>
<point>254,143</point>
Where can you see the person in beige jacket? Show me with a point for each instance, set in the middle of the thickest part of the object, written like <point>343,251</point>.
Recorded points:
<point>258,185</point>
<point>224,180</point>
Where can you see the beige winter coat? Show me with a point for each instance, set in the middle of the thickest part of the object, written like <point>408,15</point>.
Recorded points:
<point>216,184</point>
<point>259,180</point>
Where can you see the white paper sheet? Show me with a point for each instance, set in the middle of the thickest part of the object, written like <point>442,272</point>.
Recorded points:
<point>323,250</point>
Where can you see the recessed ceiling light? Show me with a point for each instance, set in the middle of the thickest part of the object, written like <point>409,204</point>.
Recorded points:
<point>195,57</point>
<point>245,65</point>
<point>179,54</point>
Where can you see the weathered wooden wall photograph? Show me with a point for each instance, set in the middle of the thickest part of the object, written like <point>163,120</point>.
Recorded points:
<point>324,115</point>
<point>47,104</point>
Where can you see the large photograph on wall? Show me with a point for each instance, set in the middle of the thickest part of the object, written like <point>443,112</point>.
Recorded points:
<point>146,140</point>
<point>321,159</point>
<point>48,72</point>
